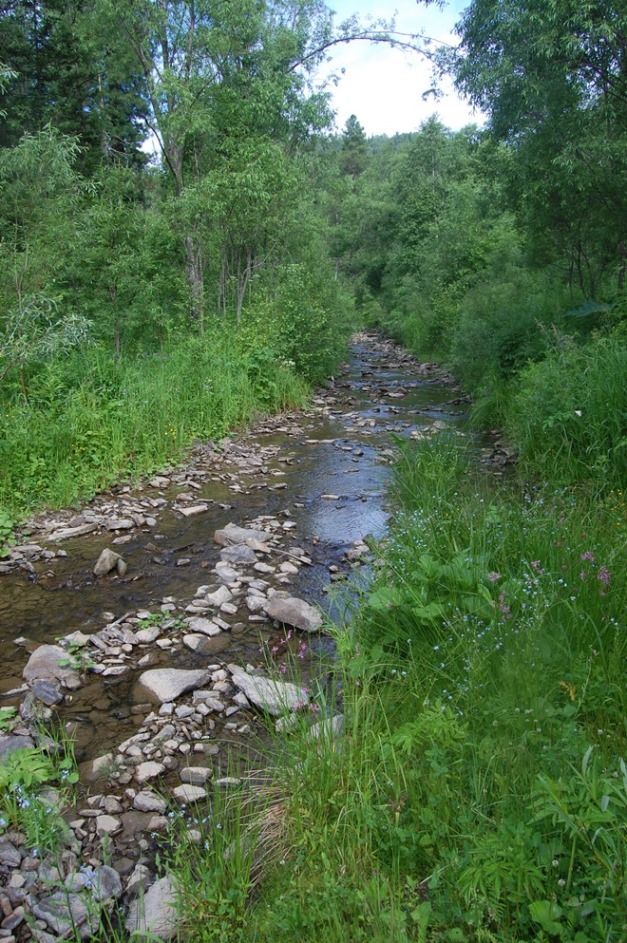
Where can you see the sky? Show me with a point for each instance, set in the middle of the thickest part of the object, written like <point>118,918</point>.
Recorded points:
<point>383,86</point>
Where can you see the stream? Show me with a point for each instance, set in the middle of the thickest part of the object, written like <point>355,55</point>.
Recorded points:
<point>313,485</point>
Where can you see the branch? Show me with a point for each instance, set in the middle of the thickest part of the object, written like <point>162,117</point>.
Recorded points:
<point>391,37</point>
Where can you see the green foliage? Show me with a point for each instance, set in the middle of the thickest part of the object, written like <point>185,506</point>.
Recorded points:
<point>568,412</point>
<point>477,791</point>
<point>8,718</point>
<point>23,801</point>
<point>93,418</point>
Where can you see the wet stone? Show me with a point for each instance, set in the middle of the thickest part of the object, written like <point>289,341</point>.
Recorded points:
<point>49,692</point>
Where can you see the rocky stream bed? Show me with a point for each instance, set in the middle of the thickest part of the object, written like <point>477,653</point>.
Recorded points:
<point>160,623</point>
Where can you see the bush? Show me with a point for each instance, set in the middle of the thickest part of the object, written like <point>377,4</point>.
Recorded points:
<point>568,413</point>
<point>505,323</point>
<point>93,418</point>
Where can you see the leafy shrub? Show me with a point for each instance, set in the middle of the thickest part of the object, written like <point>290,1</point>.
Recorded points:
<point>505,323</point>
<point>569,412</point>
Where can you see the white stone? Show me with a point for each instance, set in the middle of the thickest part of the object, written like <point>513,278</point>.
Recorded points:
<point>166,684</point>
<point>154,915</point>
<point>275,697</point>
<point>294,611</point>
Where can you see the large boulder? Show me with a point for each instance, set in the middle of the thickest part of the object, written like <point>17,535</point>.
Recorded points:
<point>50,663</point>
<point>154,915</point>
<point>294,611</point>
<point>275,697</point>
<point>166,684</point>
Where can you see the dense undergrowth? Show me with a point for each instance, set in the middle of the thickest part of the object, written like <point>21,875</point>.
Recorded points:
<point>478,791</point>
<point>78,423</point>
<point>92,419</point>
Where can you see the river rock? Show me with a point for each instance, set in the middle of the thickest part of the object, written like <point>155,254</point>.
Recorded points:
<point>154,915</point>
<point>238,553</point>
<point>204,626</point>
<point>147,801</point>
<point>148,770</point>
<point>219,597</point>
<point>109,560</point>
<point>294,611</point>
<point>138,879</point>
<point>9,855</point>
<point>49,692</point>
<point>47,663</point>
<point>106,884</point>
<point>195,775</point>
<point>187,793</point>
<point>194,509</point>
<point>120,524</point>
<point>197,643</point>
<point>232,534</point>
<point>275,697</point>
<point>65,533</point>
<point>148,635</point>
<point>107,825</point>
<point>166,684</point>
<point>61,912</point>
<point>99,766</point>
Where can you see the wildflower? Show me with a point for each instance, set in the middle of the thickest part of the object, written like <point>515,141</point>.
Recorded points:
<point>588,555</point>
<point>604,576</point>
<point>314,708</point>
<point>537,566</point>
<point>583,575</point>
<point>494,577</point>
<point>504,609</point>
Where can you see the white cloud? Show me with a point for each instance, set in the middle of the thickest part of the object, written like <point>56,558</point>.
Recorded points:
<point>384,86</point>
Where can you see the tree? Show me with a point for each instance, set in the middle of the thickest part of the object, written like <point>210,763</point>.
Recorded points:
<point>553,77</point>
<point>354,148</point>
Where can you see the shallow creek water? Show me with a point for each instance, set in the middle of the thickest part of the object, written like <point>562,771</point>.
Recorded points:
<point>325,469</point>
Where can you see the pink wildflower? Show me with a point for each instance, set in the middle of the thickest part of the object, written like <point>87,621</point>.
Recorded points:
<point>494,577</point>
<point>588,555</point>
<point>537,566</point>
<point>504,609</point>
<point>604,576</point>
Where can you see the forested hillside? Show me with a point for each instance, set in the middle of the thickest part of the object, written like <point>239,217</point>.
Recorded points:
<point>187,244</point>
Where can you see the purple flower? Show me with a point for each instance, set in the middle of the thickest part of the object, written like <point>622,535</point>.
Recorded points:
<point>604,576</point>
<point>504,609</point>
<point>588,555</point>
<point>494,577</point>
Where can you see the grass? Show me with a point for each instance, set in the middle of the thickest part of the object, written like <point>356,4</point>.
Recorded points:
<point>92,419</point>
<point>478,791</point>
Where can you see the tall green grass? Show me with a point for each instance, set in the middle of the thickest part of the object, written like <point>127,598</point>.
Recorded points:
<point>568,413</point>
<point>478,791</point>
<point>91,419</point>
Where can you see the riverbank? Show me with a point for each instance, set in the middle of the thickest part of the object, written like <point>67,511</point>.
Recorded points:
<point>473,788</point>
<point>200,601</point>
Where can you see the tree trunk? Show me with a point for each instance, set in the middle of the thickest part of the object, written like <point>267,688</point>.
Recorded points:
<point>194,270</point>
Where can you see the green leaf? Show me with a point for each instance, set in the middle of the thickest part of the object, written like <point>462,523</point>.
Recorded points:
<point>547,915</point>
